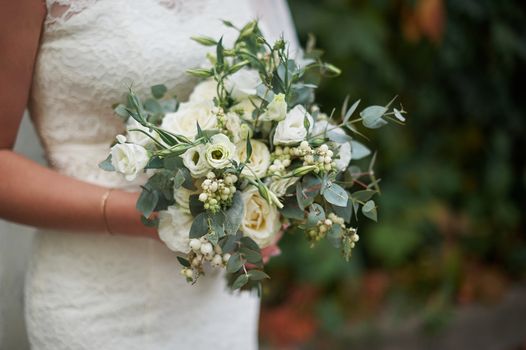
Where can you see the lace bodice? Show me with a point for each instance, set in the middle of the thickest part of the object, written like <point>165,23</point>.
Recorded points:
<point>92,50</point>
<point>108,291</point>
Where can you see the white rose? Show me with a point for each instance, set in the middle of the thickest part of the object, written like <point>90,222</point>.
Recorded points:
<point>246,107</point>
<point>194,160</point>
<point>292,130</point>
<point>204,92</point>
<point>220,151</point>
<point>280,186</point>
<point>259,160</point>
<point>184,121</point>
<point>129,159</point>
<point>276,109</point>
<point>243,83</point>
<point>233,124</point>
<point>182,198</point>
<point>261,221</point>
<point>174,229</point>
<point>139,137</point>
<point>344,149</point>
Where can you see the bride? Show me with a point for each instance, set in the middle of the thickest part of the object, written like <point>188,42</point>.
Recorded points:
<point>98,278</point>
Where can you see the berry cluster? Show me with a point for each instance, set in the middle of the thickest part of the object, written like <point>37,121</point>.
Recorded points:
<point>281,158</point>
<point>217,192</point>
<point>321,157</point>
<point>319,231</point>
<point>202,250</point>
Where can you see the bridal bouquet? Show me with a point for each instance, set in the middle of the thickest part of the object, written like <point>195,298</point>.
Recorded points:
<point>247,158</point>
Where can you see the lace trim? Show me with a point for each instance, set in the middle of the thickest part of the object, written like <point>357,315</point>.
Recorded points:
<point>59,11</point>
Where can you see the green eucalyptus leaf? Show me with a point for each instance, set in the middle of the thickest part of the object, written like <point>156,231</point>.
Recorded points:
<point>257,275</point>
<point>359,150</point>
<point>158,91</point>
<point>183,261</point>
<point>252,256</point>
<point>335,194</point>
<point>369,210</point>
<point>196,206</point>
<point>372,117</point>
<point>240,281</point>
<point>122,111</point>
<point>363,196</point>
<point>344,212</point>
<point>291,209</point>
<point>218,224</point>
<point>234,214</point>
<point>106,164</point>
<point>179,179</point>
<point>316,213</point>
<point>228,243</point>
<point>234,263</point>
<point>249,243</point>
<point>152,105</point>
<point>199,226</point>
<point>147,201</point>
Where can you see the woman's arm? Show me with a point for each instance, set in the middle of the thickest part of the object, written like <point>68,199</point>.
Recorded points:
<point>29,193</point>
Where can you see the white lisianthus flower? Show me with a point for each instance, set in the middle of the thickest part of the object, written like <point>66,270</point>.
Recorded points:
<point>174,229</point>
<point>138,137</point>
<point>261,221</point>
<point>204,92</point>
<point>129,159</point>
<point>246,107</point>
<point>292,130</point>
<point>276,109</point>
<point>233,124</point>
<point>194,160</point>
<point>259,159</point>
<point>220,151</point>
<point>344,148</point>
<point>243,83</point>
<point>280,186</point>
<point>184,121</point>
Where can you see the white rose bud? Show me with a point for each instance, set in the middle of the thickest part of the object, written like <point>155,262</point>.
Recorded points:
<point>292,130</point>
<point>276,109</point>
<point>129,159</point>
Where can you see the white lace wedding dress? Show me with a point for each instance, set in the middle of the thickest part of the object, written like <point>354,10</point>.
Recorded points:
<point>86,291</point>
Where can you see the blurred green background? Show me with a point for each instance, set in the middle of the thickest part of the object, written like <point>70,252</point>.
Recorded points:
<point>451,217</point>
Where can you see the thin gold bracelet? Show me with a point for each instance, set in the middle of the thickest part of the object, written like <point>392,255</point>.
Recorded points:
<point>103,204</point>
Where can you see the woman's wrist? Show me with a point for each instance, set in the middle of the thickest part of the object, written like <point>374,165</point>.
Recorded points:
<point>122,217</point>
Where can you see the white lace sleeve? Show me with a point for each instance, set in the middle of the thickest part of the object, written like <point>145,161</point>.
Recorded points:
<point>276,20</point>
